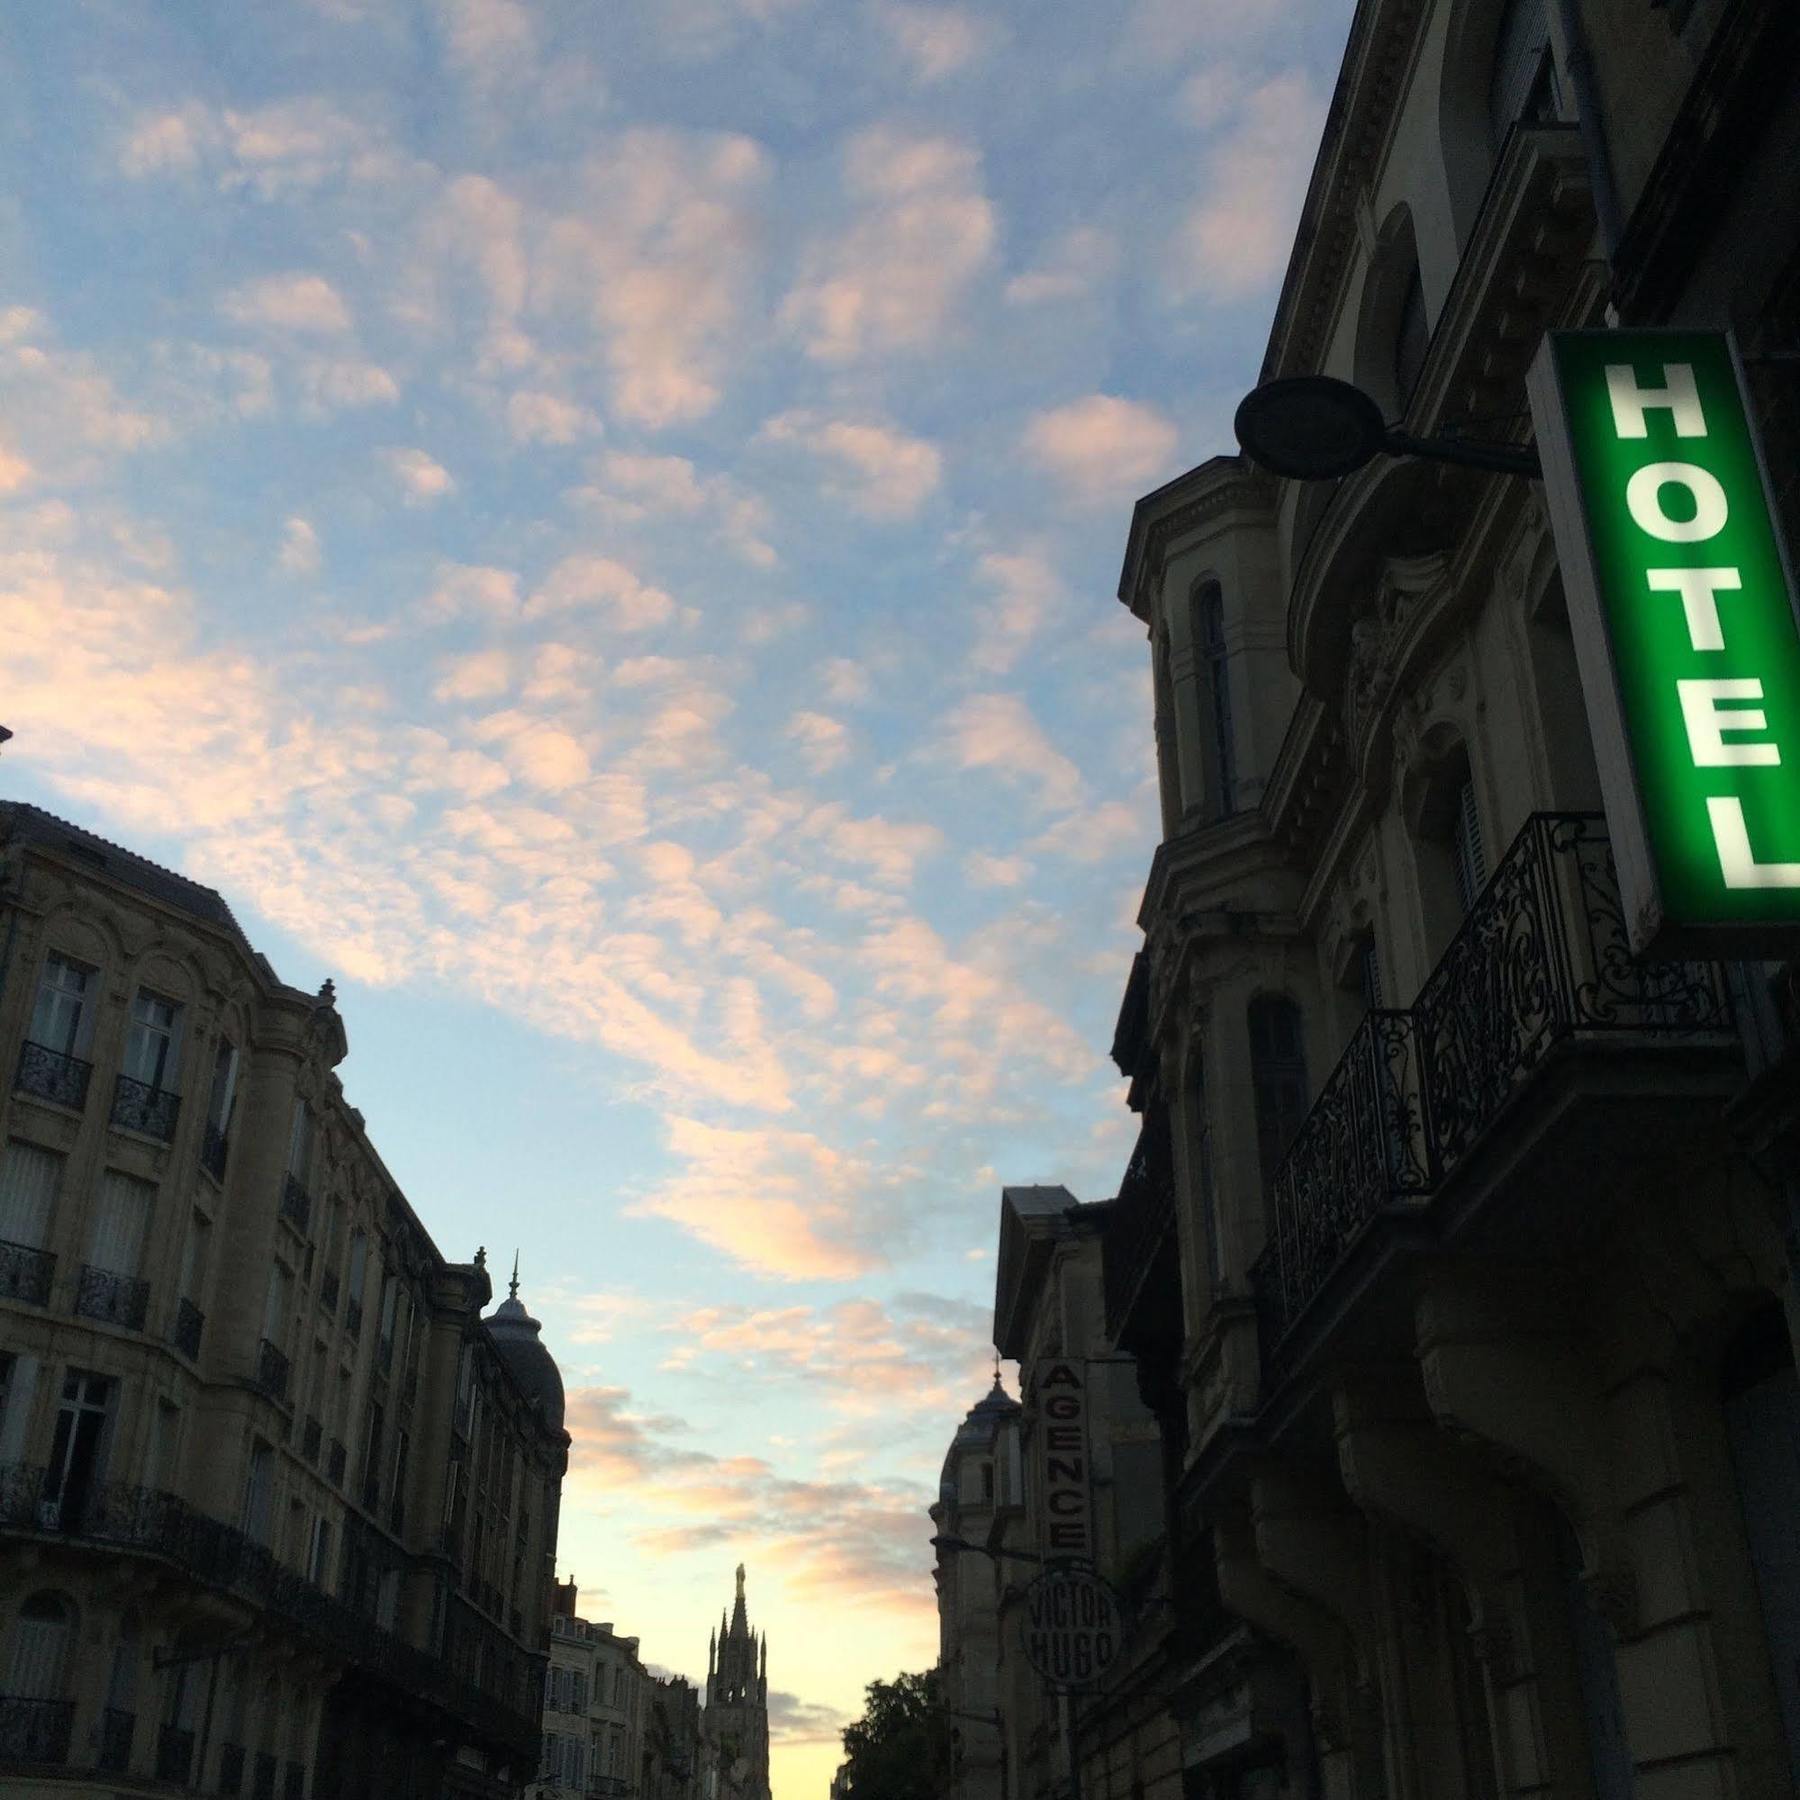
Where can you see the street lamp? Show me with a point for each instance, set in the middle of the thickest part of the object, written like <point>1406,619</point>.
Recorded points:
<point>1316,428</point>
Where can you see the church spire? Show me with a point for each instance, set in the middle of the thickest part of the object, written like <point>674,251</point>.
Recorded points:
<point>512,1292</point>
<point>740,1621</point>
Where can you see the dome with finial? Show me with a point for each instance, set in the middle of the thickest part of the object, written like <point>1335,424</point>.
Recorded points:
<point>517,1336</point>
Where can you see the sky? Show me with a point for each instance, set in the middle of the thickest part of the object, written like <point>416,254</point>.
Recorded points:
<point>595,525</point>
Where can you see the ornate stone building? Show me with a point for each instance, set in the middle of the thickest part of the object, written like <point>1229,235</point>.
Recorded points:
<point>734,1723</point>
<point>1456,1252</point>
<point>277,1505</point>
<point>597,1697</point>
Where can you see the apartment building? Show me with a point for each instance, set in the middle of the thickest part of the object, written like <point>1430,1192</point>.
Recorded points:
<point>278,1506</point>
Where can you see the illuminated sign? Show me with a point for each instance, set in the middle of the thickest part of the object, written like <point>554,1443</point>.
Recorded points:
<point>1684,625</point>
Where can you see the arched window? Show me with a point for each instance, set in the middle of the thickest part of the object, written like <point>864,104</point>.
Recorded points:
<point>1213,672</point>
<point>1522,78</point>
<point>1278,1074</point>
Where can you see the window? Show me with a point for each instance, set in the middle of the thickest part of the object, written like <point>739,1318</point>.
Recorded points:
<point>299,1141</point>
<point>121,1220</point>
<point>78,1447</point>
<point>1278,1073</point>
<point>390,1300</point>
<point>359,1269</point>
<point>276,1305</point>
<point>224,1087</point>
<point>28,1181</point>
<point>193,1257</point>
<point>372,1457</point>
<point>318,1552</point>
<point>151,1044</point>
<point>1467,857</point>
<point>1368,976</point>
<point>987,1482</point>
<point>42,1637</point>
<point>1412,338</point>
<point>62,1019</point>
<point>1200,1126</point>
<point>1522,85</point>
<point>259,1492</point>
<point>162,1453</point>
<point>1214,674</point>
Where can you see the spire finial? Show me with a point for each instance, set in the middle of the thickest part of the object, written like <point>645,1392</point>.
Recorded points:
<point>512,1292</point>
<point>740,1579</point>
<point>997,1367</point>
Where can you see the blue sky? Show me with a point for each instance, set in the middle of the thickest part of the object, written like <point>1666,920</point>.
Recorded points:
<point>595,525</point>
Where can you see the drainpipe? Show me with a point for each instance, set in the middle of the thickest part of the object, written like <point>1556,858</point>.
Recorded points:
<point>1578,65</point>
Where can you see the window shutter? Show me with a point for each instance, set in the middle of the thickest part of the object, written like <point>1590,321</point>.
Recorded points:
<point>1471,861</point>
<point>28,1179</point>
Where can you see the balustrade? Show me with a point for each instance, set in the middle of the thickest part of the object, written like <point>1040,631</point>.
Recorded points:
<point>51,1075</point>
<point>137,1106</point>
<point>112,1298</point>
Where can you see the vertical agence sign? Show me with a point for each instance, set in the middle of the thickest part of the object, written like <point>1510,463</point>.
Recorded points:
<point>1683,617</point>
<point>1059,1389</point>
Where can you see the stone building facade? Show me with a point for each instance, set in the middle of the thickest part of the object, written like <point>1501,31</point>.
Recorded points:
<point>1456,1252</point>
<point>597,1704</point>
<point>278,1506</point>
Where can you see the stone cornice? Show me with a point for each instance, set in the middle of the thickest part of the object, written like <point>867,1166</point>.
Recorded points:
<point>1385,37</point>
<point>1222,485</point>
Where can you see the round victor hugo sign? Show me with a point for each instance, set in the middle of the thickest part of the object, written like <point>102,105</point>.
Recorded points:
<point>1072,1627</point>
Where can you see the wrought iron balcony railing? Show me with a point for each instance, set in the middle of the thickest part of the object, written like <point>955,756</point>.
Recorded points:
<point>174,1754</point>
<point>139,1107</point>
<point>1142,1214</point>
<point>214,1148</point>
<point>296,1204</point>
<point>190,1322</point>
<point>145,1522</point>
<point>271,1371</point>
<point>231,1768</point>
<point>52,1075</point>
<point>1543,958</point>
<point>116,1732</point>
<point>35,1731</point>
<point>112,1298</point>
<point>25,1273</point>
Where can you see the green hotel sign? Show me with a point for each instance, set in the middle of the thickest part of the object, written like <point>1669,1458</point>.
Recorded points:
<point>1684,623</point>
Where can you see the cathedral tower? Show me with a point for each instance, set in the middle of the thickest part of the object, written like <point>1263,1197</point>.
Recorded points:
<point>735,1725</point>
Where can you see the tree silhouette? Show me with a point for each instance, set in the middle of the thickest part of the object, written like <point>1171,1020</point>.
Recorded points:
<point>900,1748</point>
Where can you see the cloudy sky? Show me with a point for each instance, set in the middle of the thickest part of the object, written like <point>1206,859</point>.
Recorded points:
<point>594,523</point>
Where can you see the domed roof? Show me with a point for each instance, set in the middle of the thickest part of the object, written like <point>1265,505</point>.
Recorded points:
<point>516,1336</point>
<point>981,1425</point>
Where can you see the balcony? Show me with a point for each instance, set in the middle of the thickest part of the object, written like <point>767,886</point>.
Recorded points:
<point>214,1148</point>
<point>25,1273</point>
<point>296,1204</point>
<point>231,1768</point>
<point>190,1321</point>
<point>139,1107</point>
<point>1539,974</point>
<point>35,1731</point>
<point>174,1754</point>
<point>206,1552</point>
<point>336,1460</point>
<point>116,1732</point>
<point>271,1371</point>
<point>111,1298</point>
<point>310,1440</point>
<point>48,1074</point>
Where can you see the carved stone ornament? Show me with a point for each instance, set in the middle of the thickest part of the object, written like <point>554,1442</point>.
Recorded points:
<point>1376,639</point>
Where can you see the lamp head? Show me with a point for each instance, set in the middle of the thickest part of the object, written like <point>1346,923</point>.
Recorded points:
<point>1310,427</point>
